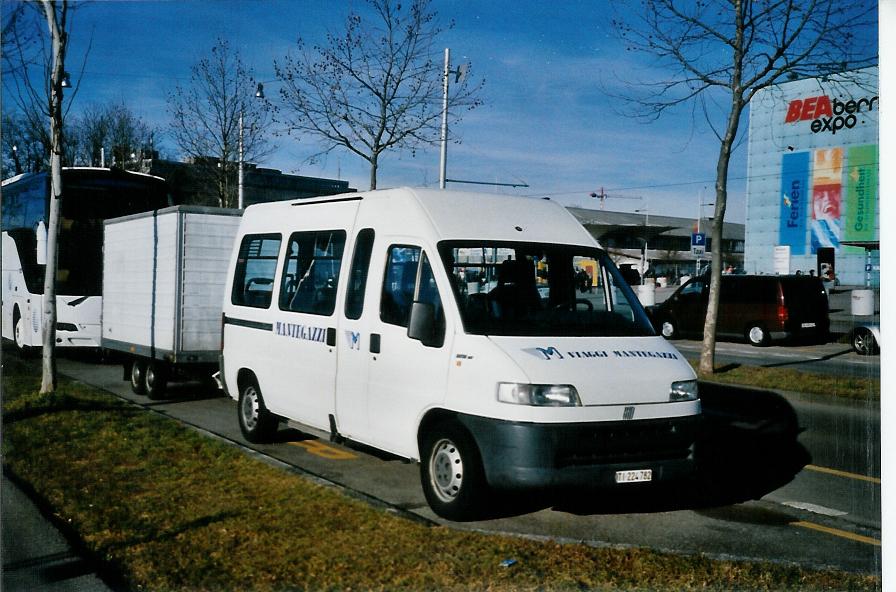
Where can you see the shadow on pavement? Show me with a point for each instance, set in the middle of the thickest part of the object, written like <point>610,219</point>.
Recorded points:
<point>747,448</point>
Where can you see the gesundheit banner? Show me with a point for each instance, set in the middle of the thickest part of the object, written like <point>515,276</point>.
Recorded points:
<point>861,193</point>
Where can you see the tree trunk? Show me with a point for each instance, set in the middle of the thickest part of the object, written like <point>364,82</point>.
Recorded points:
<point>708,353</point>
<point>373,166</point>
<point>48,372</point>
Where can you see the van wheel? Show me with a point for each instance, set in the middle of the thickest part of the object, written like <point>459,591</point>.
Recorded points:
<point>668,329</point>
<point>155,380</point>
<point>451,472</point>
<point>757,335</point>
<point>138,376</point>
<point>256,423</point>
<point>863,342</point>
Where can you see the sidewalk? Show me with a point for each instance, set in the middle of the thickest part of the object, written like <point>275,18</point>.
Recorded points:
<point>35,554</point>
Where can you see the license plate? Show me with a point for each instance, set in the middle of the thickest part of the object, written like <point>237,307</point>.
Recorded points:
<point>807,325</point>
<point>639,476</point>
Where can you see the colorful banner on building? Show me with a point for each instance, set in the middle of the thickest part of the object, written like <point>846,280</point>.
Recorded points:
<point>794,198</point>
<point>861,194</point>
<point>827,197</point>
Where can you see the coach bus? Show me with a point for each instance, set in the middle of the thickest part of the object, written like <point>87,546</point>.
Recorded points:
<point>89,196</point>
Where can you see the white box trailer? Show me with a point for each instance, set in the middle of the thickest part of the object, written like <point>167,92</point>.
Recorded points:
<point>164,275</point>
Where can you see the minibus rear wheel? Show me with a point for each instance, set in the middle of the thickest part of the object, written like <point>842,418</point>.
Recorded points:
<point>451,472</point>
<point>256,423</point>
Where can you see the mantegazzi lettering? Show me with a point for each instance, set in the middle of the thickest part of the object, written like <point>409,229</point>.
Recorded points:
<point>828,115</point>
<point>303,332</point>
<point>552,353</point>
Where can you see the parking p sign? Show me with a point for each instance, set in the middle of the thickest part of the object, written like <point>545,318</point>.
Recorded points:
<point>698,243</point>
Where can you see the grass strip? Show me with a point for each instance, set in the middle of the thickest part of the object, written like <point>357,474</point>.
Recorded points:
<point>178,511</point>
<point>860,388</point>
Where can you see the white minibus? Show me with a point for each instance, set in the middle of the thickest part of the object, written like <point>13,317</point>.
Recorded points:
<point>450,328</point>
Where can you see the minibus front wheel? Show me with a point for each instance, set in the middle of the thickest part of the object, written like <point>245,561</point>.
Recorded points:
<point>451,472</point>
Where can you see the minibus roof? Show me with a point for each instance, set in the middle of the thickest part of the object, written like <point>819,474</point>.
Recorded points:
<point>461,215</point>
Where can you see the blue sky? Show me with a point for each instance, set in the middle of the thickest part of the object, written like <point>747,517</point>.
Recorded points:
<point>545,120</point>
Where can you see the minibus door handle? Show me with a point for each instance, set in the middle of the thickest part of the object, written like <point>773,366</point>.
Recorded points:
<point>374,343</point>
<point>331,336</point>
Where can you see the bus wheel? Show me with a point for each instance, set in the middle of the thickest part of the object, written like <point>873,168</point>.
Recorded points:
<point>155,380</point>
<point>19,329</point>
<point>138,376</point>
<point>451,472</point>
<point>256,423</point>
<point>757,335</point>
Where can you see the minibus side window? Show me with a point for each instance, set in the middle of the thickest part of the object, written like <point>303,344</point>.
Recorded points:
<point>256,266</point>
<point>357,277</point>
<point>311,272</point>
<point>398,285</point>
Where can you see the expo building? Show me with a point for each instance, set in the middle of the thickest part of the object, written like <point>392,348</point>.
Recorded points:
<point>812,179</point>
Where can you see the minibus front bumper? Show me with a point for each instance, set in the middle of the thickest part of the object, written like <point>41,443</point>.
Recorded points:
<point>518,455</point>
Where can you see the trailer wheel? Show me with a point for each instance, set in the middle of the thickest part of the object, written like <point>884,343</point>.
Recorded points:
<point>155,380</point>
<point>451,472</point>
<point>256,423</point>
<point>138,376</point>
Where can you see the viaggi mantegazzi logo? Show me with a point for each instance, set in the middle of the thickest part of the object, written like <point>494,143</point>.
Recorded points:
<point>828,114</point>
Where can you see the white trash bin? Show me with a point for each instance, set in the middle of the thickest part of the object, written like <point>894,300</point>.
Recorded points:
<point>862,302</point>
<point>647,293</point>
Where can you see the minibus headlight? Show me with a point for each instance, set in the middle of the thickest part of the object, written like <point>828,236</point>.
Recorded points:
<point>540,395</point>
<point>684,390</point>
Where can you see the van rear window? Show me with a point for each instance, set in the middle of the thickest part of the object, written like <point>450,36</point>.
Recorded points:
<point>256,266</point>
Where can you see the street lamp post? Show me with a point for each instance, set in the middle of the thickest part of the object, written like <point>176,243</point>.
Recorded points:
<point>459,74</point>
<point>700,205</point>
<point>259,94</point>
<point>646,210</point>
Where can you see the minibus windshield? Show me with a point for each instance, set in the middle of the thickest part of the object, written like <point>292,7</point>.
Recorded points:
<point>536,289</point>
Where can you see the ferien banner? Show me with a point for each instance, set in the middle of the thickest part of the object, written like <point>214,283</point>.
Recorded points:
<point>861,193</point>
<point>794,197</point>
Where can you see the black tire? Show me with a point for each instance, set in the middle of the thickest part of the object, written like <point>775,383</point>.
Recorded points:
<point>757,335</point>
<point>138,376</point>
<point>155,380</point>
<point>863,342</point>
<point>669,329</point>
<point>451,472</point>
<point>256,423</point>
<point>18,330</point>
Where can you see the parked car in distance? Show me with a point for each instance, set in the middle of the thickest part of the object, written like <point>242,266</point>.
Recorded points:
<point>865,339</point>
<point>758,308</point>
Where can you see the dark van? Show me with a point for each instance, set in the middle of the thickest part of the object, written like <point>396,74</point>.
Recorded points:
<point>759,308</point>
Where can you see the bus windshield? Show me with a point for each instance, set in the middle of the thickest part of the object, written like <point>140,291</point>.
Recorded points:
<point>534,289</point>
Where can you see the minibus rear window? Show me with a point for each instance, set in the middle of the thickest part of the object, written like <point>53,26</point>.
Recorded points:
<point>535,289</point>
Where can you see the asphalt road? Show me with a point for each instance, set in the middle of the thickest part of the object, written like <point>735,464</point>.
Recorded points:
<point>817,490</point>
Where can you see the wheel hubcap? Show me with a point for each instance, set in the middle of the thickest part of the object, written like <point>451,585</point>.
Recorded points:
<point>446,470</point>
<point>757,335</point>
<point>668,330</point>
<point>20,341</point>
<point>250,408</point>
<point>135,375</point>
<point>862,343</point>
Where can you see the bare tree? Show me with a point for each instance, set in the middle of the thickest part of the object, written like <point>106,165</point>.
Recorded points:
<point>375,87</point>
<point>115,129</point>
<point>720,53</point>
<point>56,13</point>
<point>206,118</point>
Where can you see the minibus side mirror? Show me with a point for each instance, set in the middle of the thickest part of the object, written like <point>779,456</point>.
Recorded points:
<point>422,323</point>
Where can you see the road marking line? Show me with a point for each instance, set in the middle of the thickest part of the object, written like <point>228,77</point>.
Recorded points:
<point>322,450</point>
<point>837,532</point>
<point>846,474</point>
<point>815,509</point>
